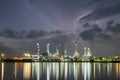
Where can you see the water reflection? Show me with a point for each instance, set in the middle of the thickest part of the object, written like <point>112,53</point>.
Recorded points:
<point>109,68</point>
<point>48,71</point>
<point>15,71</point>
<point>27,70</point>
<point>117,69</point>
<point>60,71</point>
<point>2,71</point>
<point>86,70</point>
<point>37,70</point>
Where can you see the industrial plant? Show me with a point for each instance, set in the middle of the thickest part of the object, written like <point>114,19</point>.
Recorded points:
<point>87,56</point>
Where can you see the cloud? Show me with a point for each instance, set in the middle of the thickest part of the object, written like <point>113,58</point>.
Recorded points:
<point>113,27</point>
<point>90,34</point>
<point>9,33</point>
<point>57,32</point>
<point>35,34</point>
<point>60,39</point>
<point>102,12</point>
<point>86,25</point>
<point>93,33</point>
<point>104,36</point>
<point>32,34</point>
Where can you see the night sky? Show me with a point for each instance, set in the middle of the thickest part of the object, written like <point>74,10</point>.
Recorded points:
<point>93,23</point>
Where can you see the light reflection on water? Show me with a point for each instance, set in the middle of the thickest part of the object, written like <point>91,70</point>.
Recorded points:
<point>59,71</point>
<point>27,70</point>
<point>86,70</point>
<point>2,72</point>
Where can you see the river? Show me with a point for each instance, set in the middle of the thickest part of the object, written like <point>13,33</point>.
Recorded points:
<point>59,71</point>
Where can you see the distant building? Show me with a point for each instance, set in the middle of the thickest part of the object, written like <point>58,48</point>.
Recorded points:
<point>27,55</point>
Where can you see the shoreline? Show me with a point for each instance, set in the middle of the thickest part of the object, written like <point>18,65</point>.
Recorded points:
<point>59,61</point>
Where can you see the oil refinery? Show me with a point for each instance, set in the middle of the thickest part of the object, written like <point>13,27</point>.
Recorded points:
<point>87,56</point>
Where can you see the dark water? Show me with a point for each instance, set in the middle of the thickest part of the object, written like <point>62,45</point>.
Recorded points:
<point>59,71</point>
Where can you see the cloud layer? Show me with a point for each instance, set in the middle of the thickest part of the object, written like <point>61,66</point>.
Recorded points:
<point>23,23</point>
<point>103,12</point>
<point>33,34</point>
<point>112,31</point>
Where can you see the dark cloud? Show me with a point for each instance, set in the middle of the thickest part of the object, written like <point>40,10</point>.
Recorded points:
<point>104,36</point>
<point>110,23</point>
<point>32,34</point>
<point>111,32</point>
<point>56,32</point>
<point>90,34</point>
<point>113,27</point>
<point>86,25</point>
<point>102,13</point>
<point>35,34</point>
<point>42,33</point>
<point>9,33</point>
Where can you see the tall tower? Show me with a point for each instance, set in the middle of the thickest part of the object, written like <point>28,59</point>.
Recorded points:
<point>76,46</point>
<point>76,53</point>
<point>85,52</point>
<point>62,47</point>
<point>57,51</point>
<point>48,49</point>
<point>65,53</point>
<point>88,52</point>
<point>38,49</point>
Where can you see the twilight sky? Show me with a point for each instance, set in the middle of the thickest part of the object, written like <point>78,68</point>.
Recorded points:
<point>93,23</point>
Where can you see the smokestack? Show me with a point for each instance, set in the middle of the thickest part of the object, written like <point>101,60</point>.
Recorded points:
<point>76,46</point>
<point>57,51</point>
<point>38,48</point>
<point>48,51</point>
<point>62,49</point>
<point>85,52</point>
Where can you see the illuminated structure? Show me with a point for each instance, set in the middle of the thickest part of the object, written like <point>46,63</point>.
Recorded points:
<point>84,52</point>
<point>38,47</point>
<point>38,56</point>
<point>1,56</point>
<point>76,53</point>
<point>48,49</point>
<point>57,53</point>
<point>87,52</point>
<point>65,53</point>
<point>56,57</point>
<point>27,55</point>
<point>66,57</point>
